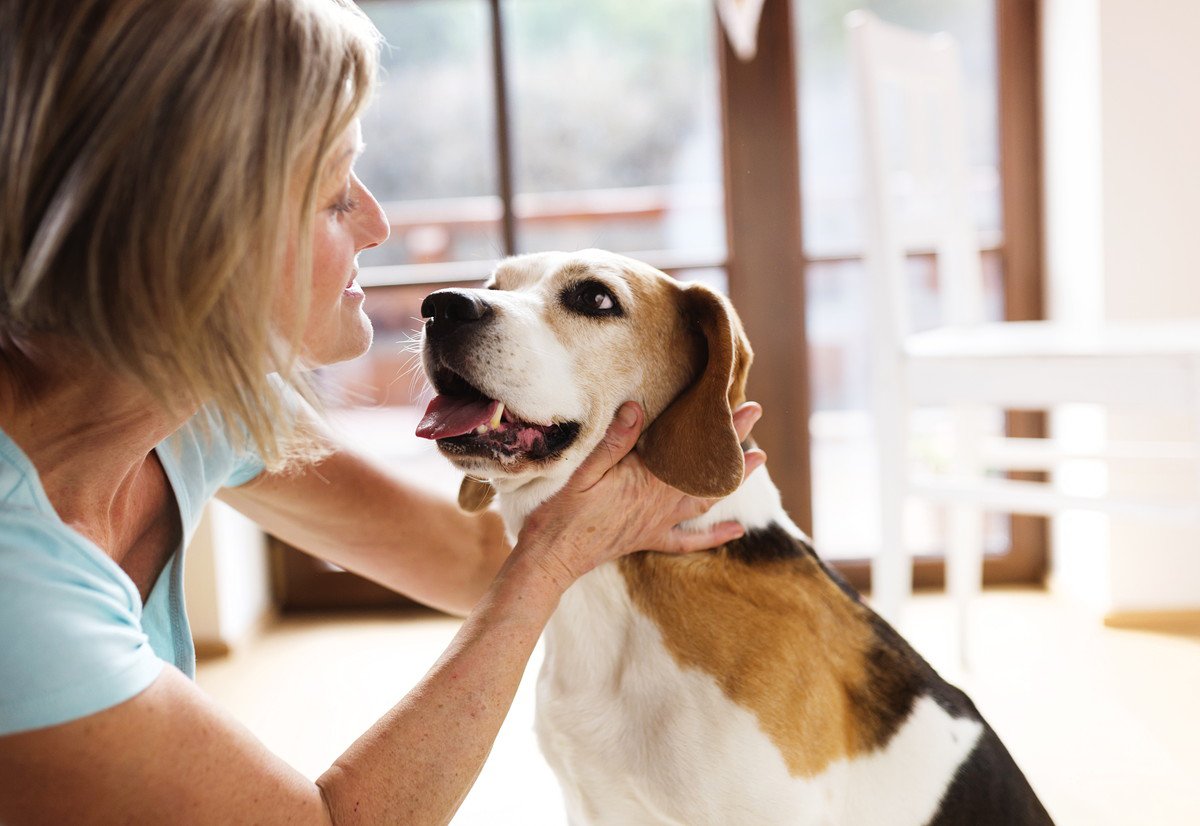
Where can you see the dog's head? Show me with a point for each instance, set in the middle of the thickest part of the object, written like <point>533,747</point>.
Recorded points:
<point>530,370</point>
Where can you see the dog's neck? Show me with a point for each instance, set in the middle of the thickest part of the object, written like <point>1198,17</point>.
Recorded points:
<point>755,505</point>
<point>519,499</point>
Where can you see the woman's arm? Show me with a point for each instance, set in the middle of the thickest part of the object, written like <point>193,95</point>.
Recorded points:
<point>353,513</point>
<point>170,755</point>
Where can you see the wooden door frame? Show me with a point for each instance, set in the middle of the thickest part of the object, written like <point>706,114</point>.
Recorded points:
<point>765,247</point>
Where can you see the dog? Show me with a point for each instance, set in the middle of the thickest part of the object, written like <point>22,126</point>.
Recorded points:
<point>747,684</point>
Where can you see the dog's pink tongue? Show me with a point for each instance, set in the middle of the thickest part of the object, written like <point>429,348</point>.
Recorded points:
<point>449,416</point>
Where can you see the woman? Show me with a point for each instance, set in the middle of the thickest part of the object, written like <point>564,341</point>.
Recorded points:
<point>180,223</point>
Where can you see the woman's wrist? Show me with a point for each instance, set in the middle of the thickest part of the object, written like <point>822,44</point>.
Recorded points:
<point>530,579</point>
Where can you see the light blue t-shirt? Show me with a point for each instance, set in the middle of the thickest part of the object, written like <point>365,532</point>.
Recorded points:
<point>74,636</point>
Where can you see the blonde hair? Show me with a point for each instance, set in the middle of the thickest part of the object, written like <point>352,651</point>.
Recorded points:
<point>151,153</point>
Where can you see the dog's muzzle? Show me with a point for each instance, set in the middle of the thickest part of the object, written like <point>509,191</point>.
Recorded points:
<point>464,420</point>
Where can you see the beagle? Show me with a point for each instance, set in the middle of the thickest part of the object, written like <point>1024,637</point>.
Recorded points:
<point>743,685</point>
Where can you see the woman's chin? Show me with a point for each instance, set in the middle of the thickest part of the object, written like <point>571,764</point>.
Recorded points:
<point>351,341</point>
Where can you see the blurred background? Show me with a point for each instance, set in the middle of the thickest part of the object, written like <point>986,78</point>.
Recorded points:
<point>510,126</point>
<point>614,119</point>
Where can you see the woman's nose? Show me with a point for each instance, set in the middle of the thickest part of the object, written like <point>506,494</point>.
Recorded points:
<point>375,227</point>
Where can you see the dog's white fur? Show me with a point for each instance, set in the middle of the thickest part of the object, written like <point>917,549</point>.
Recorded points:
<point>629,731</point>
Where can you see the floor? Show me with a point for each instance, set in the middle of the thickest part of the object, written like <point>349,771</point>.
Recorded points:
<point>1103,722</point>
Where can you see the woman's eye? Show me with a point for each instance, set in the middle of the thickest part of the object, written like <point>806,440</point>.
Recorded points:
<point>345,204</point>
<point>346,201</point>
<point>591,298</point>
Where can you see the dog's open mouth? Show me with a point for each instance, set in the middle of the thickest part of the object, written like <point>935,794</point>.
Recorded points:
<point>467,422</point>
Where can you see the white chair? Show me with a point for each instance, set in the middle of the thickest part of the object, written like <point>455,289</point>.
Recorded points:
<point>916,198</point>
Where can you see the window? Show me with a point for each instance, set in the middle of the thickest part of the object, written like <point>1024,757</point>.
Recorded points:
<point>508,126</point>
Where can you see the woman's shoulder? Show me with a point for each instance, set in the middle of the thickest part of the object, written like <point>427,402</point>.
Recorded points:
<point>38,549</point>
<point>32,536</point>
<point>71,639</point>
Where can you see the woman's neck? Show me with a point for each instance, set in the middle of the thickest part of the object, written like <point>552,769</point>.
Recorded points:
<point>87,430</point>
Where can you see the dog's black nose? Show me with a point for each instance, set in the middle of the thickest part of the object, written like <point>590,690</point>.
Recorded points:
<point>447,310</point>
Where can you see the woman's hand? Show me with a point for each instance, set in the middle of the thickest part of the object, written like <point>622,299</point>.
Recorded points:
<point>613,506</point>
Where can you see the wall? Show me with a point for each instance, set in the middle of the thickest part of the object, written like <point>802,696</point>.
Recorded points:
<point>226,579</point>
<point>1122,121</point>
<point>1150,121</point>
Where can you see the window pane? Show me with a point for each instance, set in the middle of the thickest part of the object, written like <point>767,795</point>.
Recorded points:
<point>845,515</point>
<point>430,134</point>
<point>431,162</point>
<point>830,149</point>
<point>616,125</point>
<point>600,162</point>
<point>376,400</point>
<point>844,485</point>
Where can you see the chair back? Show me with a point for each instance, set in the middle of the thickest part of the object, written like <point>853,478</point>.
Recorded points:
<point>913,129</point>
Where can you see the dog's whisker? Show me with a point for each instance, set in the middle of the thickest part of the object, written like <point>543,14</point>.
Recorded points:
<point>418,382</point>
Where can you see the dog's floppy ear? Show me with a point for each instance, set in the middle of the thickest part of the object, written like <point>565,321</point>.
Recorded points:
<point>692,444</point>
<point>474,495</point>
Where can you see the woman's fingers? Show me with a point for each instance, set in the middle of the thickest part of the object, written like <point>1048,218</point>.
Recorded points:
<point>623,432</point>
<point>745,417</point>
<point>690,507</point>
<point>755,458</point>
<point>618,440</point>
<point>627,508</point>
<point>682,541</point>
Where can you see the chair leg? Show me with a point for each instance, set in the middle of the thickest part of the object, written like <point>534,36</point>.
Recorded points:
<point>964,571</point>
<point>965,529</point>
<point>891,569</point>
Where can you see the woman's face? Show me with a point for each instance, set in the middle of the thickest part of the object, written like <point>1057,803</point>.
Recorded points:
<point>348,221</point>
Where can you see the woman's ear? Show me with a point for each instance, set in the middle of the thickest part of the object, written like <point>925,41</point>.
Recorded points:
<point>692,445</point>
<point>474,495</point>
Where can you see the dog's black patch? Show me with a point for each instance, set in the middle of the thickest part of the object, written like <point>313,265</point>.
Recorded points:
<point>770,544</point>
<point>775,544</point>
<point>990,790</point>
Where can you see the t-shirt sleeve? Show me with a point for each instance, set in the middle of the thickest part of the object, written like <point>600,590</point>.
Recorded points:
<point>246,466</point>
<point>71,641</point>
<point>205,444</point>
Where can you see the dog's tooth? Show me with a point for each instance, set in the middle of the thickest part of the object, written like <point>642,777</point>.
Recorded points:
<point>481,429</point>
<point>496,418</point>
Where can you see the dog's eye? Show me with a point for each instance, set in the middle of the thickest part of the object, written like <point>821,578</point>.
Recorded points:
<point>591,298</point>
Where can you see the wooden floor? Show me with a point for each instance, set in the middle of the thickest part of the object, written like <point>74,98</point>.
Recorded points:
<point>1105,722</point>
